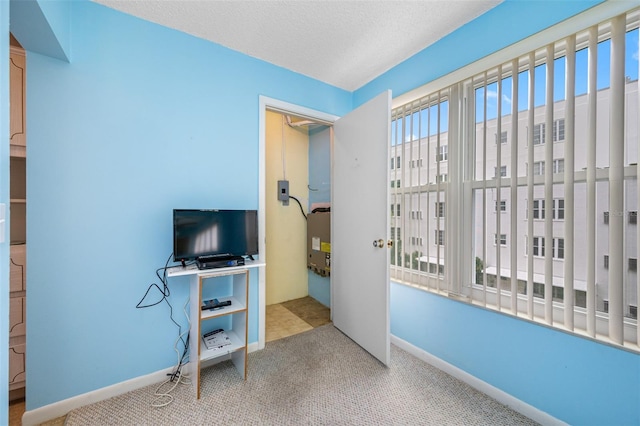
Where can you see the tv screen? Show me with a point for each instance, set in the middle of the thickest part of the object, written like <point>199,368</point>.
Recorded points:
<point>198,233</point>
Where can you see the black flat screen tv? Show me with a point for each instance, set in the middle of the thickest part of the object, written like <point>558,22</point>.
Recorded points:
<point>201,233</point>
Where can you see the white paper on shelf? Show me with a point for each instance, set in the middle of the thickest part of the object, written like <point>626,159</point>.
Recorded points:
<point>216,339</point>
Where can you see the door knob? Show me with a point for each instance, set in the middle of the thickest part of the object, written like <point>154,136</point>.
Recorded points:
<point>378,243</point>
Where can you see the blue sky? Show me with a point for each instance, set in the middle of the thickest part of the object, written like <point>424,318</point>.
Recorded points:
<point>429,116</point>
<point>604,54</point>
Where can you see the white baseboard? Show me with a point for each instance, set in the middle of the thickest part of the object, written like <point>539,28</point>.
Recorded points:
<point>60,408</point>
<point>484,387</point>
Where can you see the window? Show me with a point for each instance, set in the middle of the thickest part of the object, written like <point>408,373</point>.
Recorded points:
<point>558,248</point>
<point>538,134</point>
<point>558,130</point>
<point>558,209</point>
<point>416,214</point>
<point>558,166</point>
<point>442,153</point>
<point>503,137</point>
<point>416,241</point>
<point>416,163</point>
<point>395,163</point>
<point>515,90</point>
<point>538,209</point>
<point>538,246</point>
<point>538,168</point>
<point>398,210</point>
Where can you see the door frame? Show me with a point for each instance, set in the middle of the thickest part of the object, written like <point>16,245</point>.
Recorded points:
<point>266,103</point>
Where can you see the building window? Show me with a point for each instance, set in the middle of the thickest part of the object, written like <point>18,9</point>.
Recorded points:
<point>441,178</point>
<point>442,153</point>
<point>538,209</point>
<point>538,134</point>
<point>395,163</point>
<point>398,210</point>
<point>633,311</point>
<point>503,137</point>
<point>606,218</point>
<point>416,241</point>
<point>538,168</point>
<point>606,261</point>
<point>558,130</point>
<point>416,214</point>
<point>502,204</point>
<point>439,237</point>
<point>558,166</point>
<point>633,264</point>
<point>558,209</point>
<point>503,239</point>
<point>439,209</point>
<point>416,163</point>
<point>503,171</point>
<point>558,248</point>
<point>538,246</point>
<point>633,217</point>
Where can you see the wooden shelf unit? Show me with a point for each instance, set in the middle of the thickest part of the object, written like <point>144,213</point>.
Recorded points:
<point>18,222</point>
<point>232,284</point>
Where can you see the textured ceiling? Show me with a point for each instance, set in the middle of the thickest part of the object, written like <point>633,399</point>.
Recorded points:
<point>343,43</point>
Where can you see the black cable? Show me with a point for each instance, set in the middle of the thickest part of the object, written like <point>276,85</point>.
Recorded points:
<point>321,210</point>
<point>301,209</point>
<point>165,294</point>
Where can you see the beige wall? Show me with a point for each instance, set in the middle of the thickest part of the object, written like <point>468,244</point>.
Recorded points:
<point>286,229</point>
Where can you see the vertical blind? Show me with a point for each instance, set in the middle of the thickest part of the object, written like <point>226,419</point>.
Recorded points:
<point>516,188</point>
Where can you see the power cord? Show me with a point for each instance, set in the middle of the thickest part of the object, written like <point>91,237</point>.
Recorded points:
<point>176,376</point>
<point>301,209</point>
<point>164,397</point>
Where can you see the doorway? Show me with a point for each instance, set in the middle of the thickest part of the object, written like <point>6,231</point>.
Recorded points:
<point>296,149</point>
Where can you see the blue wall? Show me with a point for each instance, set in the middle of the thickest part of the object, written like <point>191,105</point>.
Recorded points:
<point>4,198</point>
<point>143,120</point>
<point>320,192</point>
<point>574,379</point>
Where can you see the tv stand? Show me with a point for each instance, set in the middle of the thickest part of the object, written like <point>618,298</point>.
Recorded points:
<point>232,284</point>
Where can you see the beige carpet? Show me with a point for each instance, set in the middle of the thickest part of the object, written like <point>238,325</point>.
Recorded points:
<point>319,377</point>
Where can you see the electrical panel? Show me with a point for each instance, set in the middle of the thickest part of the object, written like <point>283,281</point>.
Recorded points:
<point>319,243</point>
<point>283,192</point>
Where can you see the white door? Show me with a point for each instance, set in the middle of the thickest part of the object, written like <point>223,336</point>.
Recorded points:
<point>360,224</point>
